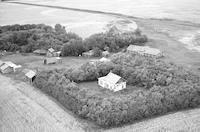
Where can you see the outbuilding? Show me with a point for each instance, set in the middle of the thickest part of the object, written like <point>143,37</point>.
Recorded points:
<point>112,82</point>
<point>40,52</point>
<point>30,76</point>
<point>51,60</point>
<point>88,54</point>
<point>50,52</point>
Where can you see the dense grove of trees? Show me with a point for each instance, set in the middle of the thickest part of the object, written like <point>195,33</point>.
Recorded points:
<point>27,38</point>
<point>156,88</point>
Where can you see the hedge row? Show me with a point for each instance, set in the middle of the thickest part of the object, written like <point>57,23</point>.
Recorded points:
<point>107,108</point>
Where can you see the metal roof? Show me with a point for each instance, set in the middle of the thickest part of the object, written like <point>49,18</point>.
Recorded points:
<point>51,50</point>
<point>30,74</point>
<point>111,78</point>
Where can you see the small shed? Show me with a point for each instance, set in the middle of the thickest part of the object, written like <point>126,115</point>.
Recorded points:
<point>105,53</point>
<point>88,54</point>
<point>50,52</point>
<point>57,53</point>
<point>30,76</point>
<point>40,52</point>
<point>112,82</point>
<point>51,60</point>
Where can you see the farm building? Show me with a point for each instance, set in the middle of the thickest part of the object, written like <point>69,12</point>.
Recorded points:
<point>30,76</point>
<point>88,54</point>
<point>105,53</point>
<point>112,82</point>
<point>59,60</point>
<point>40,52</point>
<point>52,60</point>
<point>144,51</point>
<point>52,53</point>
<point>103,59</point>
<point>8,67</point>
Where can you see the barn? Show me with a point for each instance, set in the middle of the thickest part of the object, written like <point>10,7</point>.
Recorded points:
<point>112,82</point>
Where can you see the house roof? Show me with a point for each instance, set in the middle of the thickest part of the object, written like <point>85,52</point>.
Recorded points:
<point>144,49</point>
<point>111,78</point>
<point>51,50</point>
<point>30,74</point>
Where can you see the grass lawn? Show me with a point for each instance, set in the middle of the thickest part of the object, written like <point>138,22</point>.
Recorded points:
<point>31,61</point>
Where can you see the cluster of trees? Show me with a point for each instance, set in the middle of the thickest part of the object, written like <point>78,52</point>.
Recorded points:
<point>29,37</point>
<point>157,88</point>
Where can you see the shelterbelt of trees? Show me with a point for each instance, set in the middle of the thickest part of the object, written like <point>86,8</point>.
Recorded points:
<point>29,37</point>
<point>155,88</point>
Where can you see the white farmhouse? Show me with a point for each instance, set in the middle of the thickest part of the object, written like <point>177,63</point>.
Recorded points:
<point>112,82</point>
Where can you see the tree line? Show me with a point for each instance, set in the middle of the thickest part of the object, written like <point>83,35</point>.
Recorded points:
<point>29,37</point>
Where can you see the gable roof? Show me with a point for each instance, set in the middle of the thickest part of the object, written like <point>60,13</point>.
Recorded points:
<point>51,50</point>
<point>30,74</point>
<point>112,78</point>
